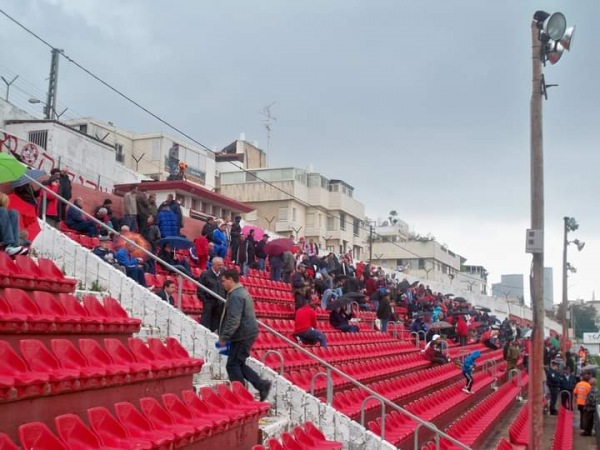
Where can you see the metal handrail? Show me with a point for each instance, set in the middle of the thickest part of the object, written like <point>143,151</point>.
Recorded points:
<point>295,345</point>
<point>519,381</point>
<point>570,398</point>
<point>362,413</point>
<point>274,352</point>
<point>494,370</point>
<point>416,335</point>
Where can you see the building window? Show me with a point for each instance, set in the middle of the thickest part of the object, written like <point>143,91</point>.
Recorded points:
<point>119,155</point>
<point>39,138</point>
<point>330,224</point>
<point>342,221</point>
<point>333,187</point>
<point>197,204</point>
<point>83,128</point>
<point>283,215</point>
<point>310,219</point>
<point>293,214</point>
<point>356,227</point>
<point>421,264</point>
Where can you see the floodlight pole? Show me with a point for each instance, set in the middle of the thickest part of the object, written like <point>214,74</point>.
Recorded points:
<point>565,289</point>
<point>536,373</point>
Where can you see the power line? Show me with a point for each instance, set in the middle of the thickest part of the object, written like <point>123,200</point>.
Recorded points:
<point>186,135</point>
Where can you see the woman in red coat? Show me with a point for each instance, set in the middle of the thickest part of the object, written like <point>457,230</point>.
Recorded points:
<point>52,203</point>
<point>462,331</point>
<point>201,244</point>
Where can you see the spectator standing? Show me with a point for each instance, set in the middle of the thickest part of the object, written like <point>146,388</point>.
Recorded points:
<point>513,354</point>
<point>567,384</point>
<point>212,306</point>
<point>143,211</point>
<point>289,264</point>
<point>208,228</point>
<point>152,206</point>
<point>134,267</point>
<point>220,239</point>
<point>76,221</point>
<point>167,292</point>
<point>260,251</point>
<point>305,327</point>
<point>235,238</point>
<point>239,327</point>
<point>167,221</point>
<point>245,254</point>
<point>202,252</point>
<point>276,263</point>
<point>52,208</point>
<point>64,190</point>
<point>175,207</point>
<point>312,249</point>
<point>582,389</point>
<point>462,331</point>
<point>384,312</point>
<point>152,233</point>
<point>130,209</point>
<point>589,408</point>
<point>467,370</point>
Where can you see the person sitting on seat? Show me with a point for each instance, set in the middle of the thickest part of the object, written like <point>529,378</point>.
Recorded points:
<point>134,267</point>
<point>9,229</point>
<point>167,254</point>
<point>76,221</point>
<point>105,252</point>
<point>305,328</point>
<point>433,351</point>
<point>339,319</point>
<point>167,291</point>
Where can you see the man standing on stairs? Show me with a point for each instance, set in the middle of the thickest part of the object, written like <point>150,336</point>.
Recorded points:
<point>240,328</point>
<point>212,306</point>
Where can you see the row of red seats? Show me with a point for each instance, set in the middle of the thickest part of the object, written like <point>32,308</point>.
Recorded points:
<point>306,437</point>
<point>25,273</point>
<point>563,435</point>
<point>166,424</point>
<point>273,310</point>
<point>265,283</point>
<point>64,367</point>
<point>157,281</point>
<point>472,428</point>
<point>44,312</point>
<point>255,273</point>
<point>518,432</point>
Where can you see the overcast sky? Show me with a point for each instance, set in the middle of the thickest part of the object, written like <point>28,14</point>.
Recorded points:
<point>422,106</point>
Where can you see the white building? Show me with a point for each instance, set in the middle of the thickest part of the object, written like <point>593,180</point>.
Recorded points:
<point>302,203</point>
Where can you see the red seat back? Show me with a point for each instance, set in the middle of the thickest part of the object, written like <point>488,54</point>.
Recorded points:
<point>48,304</point>
<point>36,435</point>
<point>72,306</point>
<point>158,348</point>
<point>94,307</point>
<point>132,419</point>
<point>37,356</point>
<point>75,434</point>
<point>6,443</point>
<point>20,302</point>
<point>95,354</point>
<point>118,352</point>
<point>68,355</point>
<point>156,414</point>
<point>114,309</point>
<point>106,426</point>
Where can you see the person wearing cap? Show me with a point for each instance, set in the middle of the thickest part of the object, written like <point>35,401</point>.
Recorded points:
<point>260,251</point>
<point>433,351</point>
<point>219,238</point>
<point>105,252</point>
<point>553,383</point>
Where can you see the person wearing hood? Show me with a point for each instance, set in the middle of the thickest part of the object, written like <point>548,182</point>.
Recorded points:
<point>433,351</point>
<point>468,368</point>
<point>437,314</point>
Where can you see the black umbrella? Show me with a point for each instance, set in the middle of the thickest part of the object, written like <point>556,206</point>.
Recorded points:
<point>345,300</point>
<point>448,295</point>
<point>483,309</point>
<point>415,284</point>
<point>460,300</point>
<point>177,242</point>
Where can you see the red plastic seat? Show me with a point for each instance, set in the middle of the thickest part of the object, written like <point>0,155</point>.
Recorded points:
<point>11,275</point>
<point>114,309</point>
<point>138,426</point>
<point>310,441</point>
<point>210,396</point>
<point>36,435</point>
<point>51,307</point>
<point>177,350</point>
<point>76,435</point>
<point>181,414</point>
<point>251,408</point>
<point>96,309</point>
<point>71,358</point>
<point>60,282</point>
<point>121,355</point>
<point>20,303</point>
<point>161,353</point>
<point>29,268</point>
<point>72,306</point>
<point>199,408</point>
<point>144,355</point>
<point>26,382</point>
<point>274,444</point>
<point>39,359</point>
<point>11,322</point>
<point>112,432</point>
<point>243,395</point>
<point>6,443</point>
<point>289,443</point>
<point>97,356</point>
<point>161,420</point>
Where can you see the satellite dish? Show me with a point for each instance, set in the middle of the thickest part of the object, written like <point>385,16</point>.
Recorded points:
<point>567,38</point>
<point>555,26</point>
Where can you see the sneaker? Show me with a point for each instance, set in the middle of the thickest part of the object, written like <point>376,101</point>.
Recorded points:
<point>264,392</point>
<point>25,250</point>
<point>13,250</point>
<point>466,391</point>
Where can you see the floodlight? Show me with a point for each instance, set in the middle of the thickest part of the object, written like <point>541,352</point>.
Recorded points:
<point>555,26</point>
<point>567,38</point>
<point>579,244</point>
<point>554,51</point>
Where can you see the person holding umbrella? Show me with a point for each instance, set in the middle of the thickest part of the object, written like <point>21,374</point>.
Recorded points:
<point>167,254</point>
<point>340,315</point>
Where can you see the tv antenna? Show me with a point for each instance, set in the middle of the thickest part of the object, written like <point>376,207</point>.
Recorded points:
<point>268,123</point>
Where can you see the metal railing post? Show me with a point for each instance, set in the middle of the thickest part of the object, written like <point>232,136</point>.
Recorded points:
<point>274,352</point>
<point>362,412</point>
<point>329,396</point>
<point>416,335</point>
<point>519,382</point>
<point>179,292</point>
<point>570,394</point>
<point>313,381</point>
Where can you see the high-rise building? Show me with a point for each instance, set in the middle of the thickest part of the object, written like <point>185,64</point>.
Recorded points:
<point>510,287</point>
<point>548,289</point>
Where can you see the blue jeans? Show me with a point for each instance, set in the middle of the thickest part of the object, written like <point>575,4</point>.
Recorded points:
<point>384,324</point>
<point>9,226</point>
<point>220,250</point>
<point>136,273</point>
<point>261,263</point>
<point>131,221</point>
<point>311,336</point>
<point>276,273</point>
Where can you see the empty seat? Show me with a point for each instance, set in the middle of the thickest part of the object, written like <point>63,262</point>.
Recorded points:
<point>97,356</point>
<point>199,408</point>
<point>209,396</point>
<point>143,354</point>
<point>37,436</point>
<point>121,355</point>
<point>317,435</point>
<point>111,324</point>
<point>76,435</point>
<point>89,324</point>
<point>177,350</point>
<point>40,359</point>
<point>26,382</point>
<point>181,413</point>
<point>11,322</point>
<point>161,352</point>
<point>51,307</point>
<point>20,303</point>
<point>310,442</point>
<point>71,358</point>
<point>138,426</point>
<point>112,432</point>
<point>114,309</point>
<point>243,395</point>
<point>61,283</point>
<point>6,443</point>
<point>160,419</point>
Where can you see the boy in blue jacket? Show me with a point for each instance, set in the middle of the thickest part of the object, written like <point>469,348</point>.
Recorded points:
<point>467,370</point>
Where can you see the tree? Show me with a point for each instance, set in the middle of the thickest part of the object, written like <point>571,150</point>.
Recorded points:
<point>584,319</point>
<point>393,217</point>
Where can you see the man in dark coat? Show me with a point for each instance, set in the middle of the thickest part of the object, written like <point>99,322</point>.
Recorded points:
<point>167,291</point>
<point>208,228</point>
<point>245,254</point>
<point>213,307</point>
<point>260,251</point>
<point>64,190</point>
<point>235,238</point>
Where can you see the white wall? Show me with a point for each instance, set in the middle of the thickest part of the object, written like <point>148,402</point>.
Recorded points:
<point>9,111</point>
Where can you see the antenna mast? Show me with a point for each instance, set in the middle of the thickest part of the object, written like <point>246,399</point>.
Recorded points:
<point>268,124</point>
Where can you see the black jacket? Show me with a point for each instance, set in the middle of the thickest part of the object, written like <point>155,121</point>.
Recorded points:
<point>162,294</point>
<point>384,311</point>
<point>260,249</point>
<point>212,281</point>
<point>64,187</point>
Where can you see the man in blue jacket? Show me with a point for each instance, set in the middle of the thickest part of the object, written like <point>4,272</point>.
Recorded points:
<point>220,239</point>
<point>134,267</point>
<point>240,328</point>
<point>467,370</point>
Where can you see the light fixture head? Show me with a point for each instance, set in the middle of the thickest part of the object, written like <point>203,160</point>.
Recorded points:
<point>579,244</point>
<point>571,224</point>
<point>555,25</point>
<point>34,100</point>
<point>567,38</point>
<point>554,51</point>
<point>570,268</point>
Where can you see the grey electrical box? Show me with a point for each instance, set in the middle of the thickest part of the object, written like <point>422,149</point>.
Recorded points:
<point>534,242</point>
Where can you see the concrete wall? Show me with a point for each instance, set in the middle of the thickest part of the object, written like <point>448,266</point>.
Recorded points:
<point>165,320</point>
<point>8,111</point>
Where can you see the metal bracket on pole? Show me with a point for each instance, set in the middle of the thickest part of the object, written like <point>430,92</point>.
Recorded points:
<point>362,412</point>
<point>274,352</point>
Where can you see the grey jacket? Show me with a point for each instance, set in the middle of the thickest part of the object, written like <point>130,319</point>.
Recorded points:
<point>238,321</point>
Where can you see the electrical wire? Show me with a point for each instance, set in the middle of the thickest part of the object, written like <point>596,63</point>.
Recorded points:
<point>186,135</point>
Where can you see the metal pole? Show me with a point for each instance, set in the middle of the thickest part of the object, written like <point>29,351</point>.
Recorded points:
<point>370,243</point>
<point>536,392</point>
<point>565,293</point>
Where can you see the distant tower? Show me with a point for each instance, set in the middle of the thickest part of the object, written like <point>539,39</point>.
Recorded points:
<point>50,108</point>
<point>268,123</point>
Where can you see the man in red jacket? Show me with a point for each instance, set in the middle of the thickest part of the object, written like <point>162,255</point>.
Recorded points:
<point>462,331</point>
<point>305,328</point>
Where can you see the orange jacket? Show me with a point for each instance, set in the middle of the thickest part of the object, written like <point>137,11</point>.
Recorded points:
<point>582,389</point>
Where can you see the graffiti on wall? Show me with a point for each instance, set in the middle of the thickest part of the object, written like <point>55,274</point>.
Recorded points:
<point>38,158</point>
